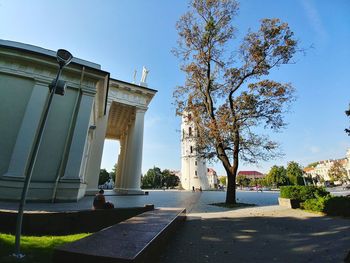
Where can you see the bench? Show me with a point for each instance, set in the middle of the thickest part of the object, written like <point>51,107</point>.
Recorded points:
<point>134,240</point>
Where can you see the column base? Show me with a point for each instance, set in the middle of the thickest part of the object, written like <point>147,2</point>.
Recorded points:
<point>11,190</point>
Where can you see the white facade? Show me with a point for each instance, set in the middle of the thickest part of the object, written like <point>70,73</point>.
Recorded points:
<point>193,167</point>
<point>321,170</point>
<point>347,167</point>
<point>94,107</point>
<point>213,179</point>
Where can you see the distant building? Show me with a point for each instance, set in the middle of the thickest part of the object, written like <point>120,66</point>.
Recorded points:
<point>347,167</point>
<point>213,179</point>
<point>320,172</point>
<point>251,174</point>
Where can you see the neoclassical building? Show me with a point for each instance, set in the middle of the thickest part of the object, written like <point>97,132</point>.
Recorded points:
<point>94,107</point>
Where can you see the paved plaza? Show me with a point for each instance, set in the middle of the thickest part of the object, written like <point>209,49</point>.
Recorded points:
<point>264,233</point>
<point>193,202</point>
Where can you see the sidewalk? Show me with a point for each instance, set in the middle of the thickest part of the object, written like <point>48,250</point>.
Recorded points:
<point>259,234</point>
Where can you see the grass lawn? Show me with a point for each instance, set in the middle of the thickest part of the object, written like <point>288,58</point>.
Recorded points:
<point>36,248</point>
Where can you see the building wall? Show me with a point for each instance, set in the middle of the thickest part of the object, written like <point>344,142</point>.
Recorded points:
<point>54,139</point>
<point>15,93</point>
<point>25,74</point>
<point>193,167</point>
<point>212,178</point>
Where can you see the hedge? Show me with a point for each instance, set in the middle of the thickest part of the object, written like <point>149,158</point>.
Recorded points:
<point>318,199</point>
<point>337,206</point>
<point>302,193</point>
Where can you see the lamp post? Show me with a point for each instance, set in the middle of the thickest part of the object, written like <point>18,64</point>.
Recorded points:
<point>57,86</point>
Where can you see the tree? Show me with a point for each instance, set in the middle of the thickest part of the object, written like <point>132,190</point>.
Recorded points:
<point>242,181</point>
<point>295,173</point>
<point>113,174</point>
<point>170,180</point>
<point>337,172</point>
<point>225,93</point>
<point>222,180</point>
<point>277,176</point>
<point>152,179</point>
<point>312,165</point>
<point>347,112</point>
<point>103,177</point>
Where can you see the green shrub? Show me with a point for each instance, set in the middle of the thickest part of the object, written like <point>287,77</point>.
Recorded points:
<point>331,205</point>
<point>337,206</point>
<point>302,193</point>
<point>315,204</point>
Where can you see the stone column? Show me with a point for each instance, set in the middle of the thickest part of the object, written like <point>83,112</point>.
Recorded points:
<point>27,132</point>
<point>132,175</point>
<point>94,164</point>
<point>76,150</point>
<point>120,164</point>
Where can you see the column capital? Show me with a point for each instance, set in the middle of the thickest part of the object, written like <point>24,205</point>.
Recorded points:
<point>140,110</point>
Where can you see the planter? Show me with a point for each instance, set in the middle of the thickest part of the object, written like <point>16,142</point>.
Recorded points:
<point>289,203</point>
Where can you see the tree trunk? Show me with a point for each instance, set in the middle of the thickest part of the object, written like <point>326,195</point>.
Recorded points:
<point>232,172</point>
<point>231,188</point>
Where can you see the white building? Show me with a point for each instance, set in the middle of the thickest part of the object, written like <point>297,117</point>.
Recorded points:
<point>93,108</point>
<point>347,167</point>
<point>193,167</point>
<point>321,170</point>
<point>213,179</point>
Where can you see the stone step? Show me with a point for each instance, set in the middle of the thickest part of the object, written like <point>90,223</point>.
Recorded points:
<point>134,240</point>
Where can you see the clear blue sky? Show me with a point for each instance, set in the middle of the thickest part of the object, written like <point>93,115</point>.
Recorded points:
<point>124,35</point>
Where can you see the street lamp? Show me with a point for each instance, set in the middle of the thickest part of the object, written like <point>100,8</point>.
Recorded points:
<point>56,87</point>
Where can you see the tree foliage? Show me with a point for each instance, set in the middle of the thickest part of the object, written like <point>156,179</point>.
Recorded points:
<point>242,181</point>
<point>170,180</point>
<point>277,176</point>
<point>294,173</point>
<point>155,178</point>
<point>226,90</point>
<point>312,165</point>
<point>337,172</point>
<point>103,177</point>
<point>222,180</point>
<point>113,173</point>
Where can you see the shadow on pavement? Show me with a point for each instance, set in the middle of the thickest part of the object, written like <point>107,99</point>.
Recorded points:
<point>260,239</point>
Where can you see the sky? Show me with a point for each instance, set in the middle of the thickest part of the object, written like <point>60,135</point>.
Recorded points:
<point>124,35</point>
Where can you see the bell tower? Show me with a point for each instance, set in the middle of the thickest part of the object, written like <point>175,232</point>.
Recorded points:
<point>193,167</point>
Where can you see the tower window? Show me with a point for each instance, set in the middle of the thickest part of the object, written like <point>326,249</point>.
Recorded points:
<point>195,163</point>
<point>189,117</point>
<point>191,149</point>
<point>190,131</point>
<point>195,173</point>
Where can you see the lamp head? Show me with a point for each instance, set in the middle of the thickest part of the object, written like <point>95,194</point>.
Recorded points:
<point>64,57</point>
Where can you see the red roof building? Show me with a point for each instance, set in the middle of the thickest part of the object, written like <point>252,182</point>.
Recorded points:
<point>251,174</point>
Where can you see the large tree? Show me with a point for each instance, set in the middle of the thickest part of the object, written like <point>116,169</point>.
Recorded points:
<point>277,176</point>
<point>152,179</point>
<point>295,173</point>
<point>103,176</point>
<point>225,90</point>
